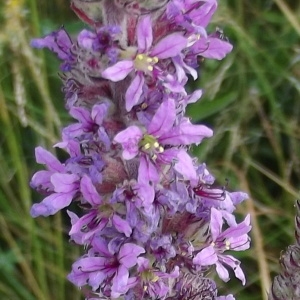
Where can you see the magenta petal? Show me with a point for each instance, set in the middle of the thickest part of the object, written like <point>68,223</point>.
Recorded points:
<point>119,282</point>
<point>144,34</point>
<point>78,279</point>
<point>222,272</point>
<point>121,225</point>
<point>216,222</point>
<point>42,179</point>
<point>195,96</point>
<point>72,147</point>
<point>58,41</point>
<point>239,231</point>
<point>186,133</point>
<point>90,264</point>
<point>128,254</point>
<point>235,265</point>
<point>39,209</point>
<point>134,91</point>
<point>86,39</point>
<point>238,272</point>
<point>172,84</point>
<point>72,131</point>
<point>81,114</point>
<point>206,257</point>
<point>143,264</point>
<point>169,156</point>
<point>64,183</point>
<point>169,46</point>
<point>213,48</point>
<point>89,191</point>
<point>76,235</point>
<point>240,243</point>
<point>101,245</point>
<point>129,138</point>
<point>118,71</point>
<point>164,118</point>
<point>238,197</point>
<point>147,171</point>
<point>45,157</point>
<point>146,194</point>
<point>87,237</point>
<point>79,223</point>
<point>185,166</point>
<point>99,112</point>
<point>203,15</point>
<point>95,279</point>
<point>51,204</point>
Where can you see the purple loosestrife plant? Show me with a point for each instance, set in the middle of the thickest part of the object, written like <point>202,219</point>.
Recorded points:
<point>151,223</point>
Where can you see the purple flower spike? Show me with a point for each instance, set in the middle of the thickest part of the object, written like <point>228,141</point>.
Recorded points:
<point>150,218</point>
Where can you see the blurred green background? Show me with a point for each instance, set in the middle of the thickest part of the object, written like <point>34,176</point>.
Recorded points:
<point>251,100</point>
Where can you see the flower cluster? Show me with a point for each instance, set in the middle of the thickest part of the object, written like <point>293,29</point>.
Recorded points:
<point>152,221</point>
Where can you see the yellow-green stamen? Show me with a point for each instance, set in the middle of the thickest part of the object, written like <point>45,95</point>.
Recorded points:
<point>150,145</point>
<point>145,63</point>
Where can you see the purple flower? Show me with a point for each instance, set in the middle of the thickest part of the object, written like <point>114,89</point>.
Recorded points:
<point>210,47</point>
<point>140,195</point>
<point>161,131</point>
<point>233,238</point>
<point>99,215</point>
<point>90,122</point>
<point>162,247</point>
<point>61,186</point>
<point>191,15</point>
<point>107,265</point>
<point>41,179</point>
<point>60,43</point>
<point>65,186</point>
<point>154,282</point>
<point>144,59</point>
<point>103,41</point>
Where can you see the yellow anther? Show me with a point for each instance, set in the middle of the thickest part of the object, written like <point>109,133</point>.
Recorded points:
<point>156,144</point>
<point>155,59</point>
<point>161,149</point>
<point>140,56</point>
<point>150,68</point>
<point>147,146</point>
<point>149,59</point>
<point>227,245</point>
<point>155,278</point>
<point>154,156</point>
<point>144,105</point>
